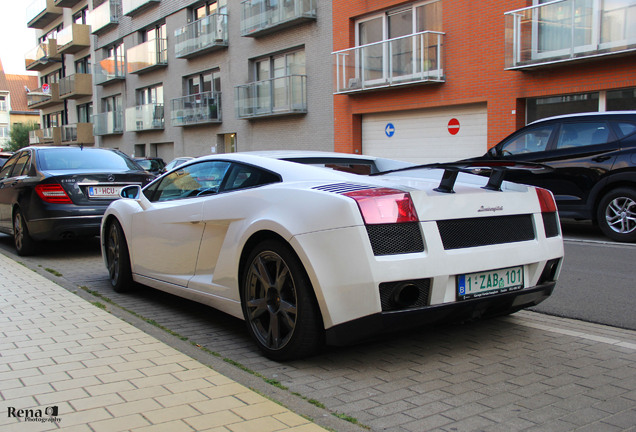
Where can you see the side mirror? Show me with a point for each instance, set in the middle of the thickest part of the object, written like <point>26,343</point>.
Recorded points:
<point>132,192</point>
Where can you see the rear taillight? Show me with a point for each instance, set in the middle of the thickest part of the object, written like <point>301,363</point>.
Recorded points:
<point>546,200</point>
<point>53,193</point>
<point>384,205</point>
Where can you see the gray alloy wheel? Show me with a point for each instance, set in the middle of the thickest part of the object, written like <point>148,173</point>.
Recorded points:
<point>278,303</point>
<point>118,259</point>
<point>24,244</point>
<point>617,215</point>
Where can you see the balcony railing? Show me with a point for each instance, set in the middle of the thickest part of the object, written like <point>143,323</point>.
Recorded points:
<point>147,56</point>
<point>411,59</point>
<point>272,97</point>
<point>76,86</point>
<point>41,13</point>
<point>260,17</point>
<point>109,69</point>
<point>108,123</point>
<point>52,135</point>
<point>46,96</point>
<point>130,7</point>
<point>73,39</point>
<point>79,133</point>
<point>104,16</point>
<point>201,36</point>
<point>567,30</point>
<point>145,117</point>
<point>41,56</point>
<point>196,109</point>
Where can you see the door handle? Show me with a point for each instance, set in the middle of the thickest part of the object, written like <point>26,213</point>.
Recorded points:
<point>601,158</point>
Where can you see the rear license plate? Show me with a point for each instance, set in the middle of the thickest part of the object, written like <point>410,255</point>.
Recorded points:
<point>475,285</point>
<point>104,191</point>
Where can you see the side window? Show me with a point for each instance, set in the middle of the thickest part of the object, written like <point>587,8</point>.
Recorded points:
<point>22,164</point>
<point>582,134</point>
<point>533,140</point>
<point>245,176</point>
<point>194,180</point>
<point>626,128</point>
<point>8,166</point>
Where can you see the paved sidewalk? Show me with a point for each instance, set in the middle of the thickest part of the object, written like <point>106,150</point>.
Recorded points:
<point>67,364</point>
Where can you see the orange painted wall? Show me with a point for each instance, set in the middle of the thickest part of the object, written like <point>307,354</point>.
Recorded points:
<point>474,67</point>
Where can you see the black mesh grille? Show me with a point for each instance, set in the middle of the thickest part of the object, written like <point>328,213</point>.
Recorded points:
<point>395,238</point>
<point>393,297</point>
<point>551,224</point>
<point>465,233</point>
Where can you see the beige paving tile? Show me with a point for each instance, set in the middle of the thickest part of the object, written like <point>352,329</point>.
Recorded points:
<point>265,424</point>
<point>96,401</point>
<point>172,413</point>
<point>221,418</point>
<point>144,393</point>
<point>129,422</point>
<point>181,398</point>
<point>219,404</point>
<point>136,407</point>
<point>173,426</point>
<point>223,390</point>
<point>263,409</point>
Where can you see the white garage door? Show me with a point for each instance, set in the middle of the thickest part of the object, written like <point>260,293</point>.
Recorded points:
<point>424,136</point>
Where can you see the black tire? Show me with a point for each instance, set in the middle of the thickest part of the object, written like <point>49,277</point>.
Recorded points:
<point>279,304</point>
<point>24,243</point>
<point>118,259</point>
<point>616,215</point>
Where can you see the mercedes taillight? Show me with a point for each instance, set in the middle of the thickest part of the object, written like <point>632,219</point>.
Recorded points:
<point>53,193</point>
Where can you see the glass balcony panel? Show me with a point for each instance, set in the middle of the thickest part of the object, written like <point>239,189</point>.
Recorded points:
<point>147,56</point>
<point>273,97</point>
<point>76,86</point>
<point>109,69</point>
<point>41,56</point>
<point>260,17</point>
<point>410,59</point>
<point>104,16</point>
<point>46,96</point>
<point>201,36</point>
<point>50,135</point>
<point>196,109</point>
<point>108,123</point>
<point>129,7</point>
<point>145,117</point>
<point>40,13</point>
<point>568,30</point>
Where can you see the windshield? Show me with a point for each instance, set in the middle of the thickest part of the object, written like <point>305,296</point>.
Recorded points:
<point>74,158</point>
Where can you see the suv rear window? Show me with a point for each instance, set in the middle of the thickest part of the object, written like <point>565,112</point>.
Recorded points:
<point>626,128</point>
<point>582,134</point>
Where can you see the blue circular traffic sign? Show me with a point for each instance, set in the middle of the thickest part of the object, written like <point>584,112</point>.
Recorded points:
<point>389,130</point>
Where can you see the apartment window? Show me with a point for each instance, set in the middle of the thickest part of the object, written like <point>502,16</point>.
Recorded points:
<point>112,103</point>
<point>206,9</point>
<point>83,65</point>
<point>155,33</point>
<point>80,17</point>
<point>281,65</point>
<point>85,113</point>
<point>150,95</point>
<point>51,78</point>
<point>51,34</point>
<point>274,73</point>
<point>4,131</point>
<point>53,119</point>
<point>209,81</point>
<point>3,103</point>
<point>624,99</point>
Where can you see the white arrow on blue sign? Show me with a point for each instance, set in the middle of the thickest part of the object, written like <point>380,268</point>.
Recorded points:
<point>389,130</point>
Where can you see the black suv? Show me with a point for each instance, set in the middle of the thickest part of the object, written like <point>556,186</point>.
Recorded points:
<point>594,161</point>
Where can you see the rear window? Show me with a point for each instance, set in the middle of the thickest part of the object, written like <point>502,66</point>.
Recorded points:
<point>354,166</point>
<point>72,158</point>
<point>627,128</point>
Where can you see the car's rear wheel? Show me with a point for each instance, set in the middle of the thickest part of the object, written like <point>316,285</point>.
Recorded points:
<point>118,258</point>
<point>617,215</point>
<point>24,243</point>
<point>279,304</point>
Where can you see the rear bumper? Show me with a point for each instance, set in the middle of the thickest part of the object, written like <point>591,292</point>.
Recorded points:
<point>67,227</point>
<point>384,322</point>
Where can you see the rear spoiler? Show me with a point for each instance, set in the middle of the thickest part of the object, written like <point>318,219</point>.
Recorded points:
<point>497,169</point>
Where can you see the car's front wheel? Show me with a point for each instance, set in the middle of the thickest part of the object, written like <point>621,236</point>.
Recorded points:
<point>617,215</point>
<point>24,243</point>
<point>279,304</point>
<point>118,258</point>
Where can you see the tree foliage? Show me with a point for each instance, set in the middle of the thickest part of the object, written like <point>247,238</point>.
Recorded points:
<point>19,136</point>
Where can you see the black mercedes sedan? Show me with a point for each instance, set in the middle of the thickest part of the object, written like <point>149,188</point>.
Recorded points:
<point>55,193</point>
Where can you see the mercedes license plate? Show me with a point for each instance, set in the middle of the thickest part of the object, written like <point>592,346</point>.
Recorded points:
<point>104,191</point>
<point>475,285</point>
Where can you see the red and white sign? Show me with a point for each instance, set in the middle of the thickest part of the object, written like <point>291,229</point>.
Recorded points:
<point>453,126</point>
<point>45,88</point>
